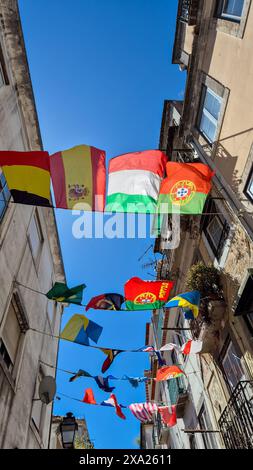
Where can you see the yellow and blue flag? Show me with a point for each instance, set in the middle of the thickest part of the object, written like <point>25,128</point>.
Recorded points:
<point>79,329</point>
<point>189,301</point>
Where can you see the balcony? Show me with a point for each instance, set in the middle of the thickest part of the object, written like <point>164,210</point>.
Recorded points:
<point>188,10</point>
<point>236,421</point>
<point>178,395</point>
<point>208,325</point>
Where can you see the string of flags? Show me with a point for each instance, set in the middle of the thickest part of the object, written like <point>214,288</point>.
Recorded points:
<point>140,295</point>
<point>144,412</point>
<point>136,181</point>
<point>139,182</point>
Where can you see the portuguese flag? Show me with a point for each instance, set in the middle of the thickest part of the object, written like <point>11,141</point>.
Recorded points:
<point>186,188</point>
<point>146,295</point>
<point>28,176</point>
<point>79,176</point>
<point>134,181</point>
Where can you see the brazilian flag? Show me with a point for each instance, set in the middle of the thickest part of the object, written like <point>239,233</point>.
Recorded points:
<point>61,293</point>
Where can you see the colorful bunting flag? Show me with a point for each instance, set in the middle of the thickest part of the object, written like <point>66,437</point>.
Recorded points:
<point>89,397</point>
<point>80,373</point>
<point>144,412</point>
<point>168,372</point>
<point>106,302</point>
<point>135,381</point>
<point>61,293</point>
<point>28,176</point>
<point>146,295</point>
<point>186,188</point>
<point>169,347</point>
<point>79,176</point>
<point>112,401</point>
<point>168,417</point>
<point>188,300</point>
<point>192,347</point>
<point>111,354</point>
<point>79,329</point>
<point>134,181</point>
<point>103,383</point>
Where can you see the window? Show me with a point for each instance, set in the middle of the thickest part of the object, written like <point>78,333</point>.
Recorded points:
<point>35,237</point>
<point>231,9</point>
<point>5,194</point>
<point>2,81</point>
<point>38,406</point>
<point>10,338</point>
<point>232,367</point>
<point>209,113</point>
<point>215,228</point>
<point>205,424</point>
<point>249,187</point>
<point>245,304</point>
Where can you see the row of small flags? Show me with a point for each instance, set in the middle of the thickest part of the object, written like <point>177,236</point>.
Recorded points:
<point>138,182</point>
<point>144,412</point>
<point>139,295</point>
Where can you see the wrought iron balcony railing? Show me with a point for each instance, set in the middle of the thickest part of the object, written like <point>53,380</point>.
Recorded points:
<point>236,421</point>
<point>188,11</point>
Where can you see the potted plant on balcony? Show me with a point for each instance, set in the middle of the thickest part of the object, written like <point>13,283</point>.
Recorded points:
<point>206,279</point>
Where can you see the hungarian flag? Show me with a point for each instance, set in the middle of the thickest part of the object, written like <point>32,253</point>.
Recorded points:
<point>89,397</point>
<point>106,302</point>
<point>79,176</point>
<point>134,181</point>
<point>186,188</point>
<point>61,293</point>
<point>168,372</point>
<point>28,176</point>
<point>146,295</point>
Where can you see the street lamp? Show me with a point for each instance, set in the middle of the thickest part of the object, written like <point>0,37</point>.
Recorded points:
<point>68,428</point>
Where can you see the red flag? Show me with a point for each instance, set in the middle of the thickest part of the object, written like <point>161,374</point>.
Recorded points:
<point>146,295</point>
<point>169,418</point>
<point>117,407</point>
<point>89,397</point>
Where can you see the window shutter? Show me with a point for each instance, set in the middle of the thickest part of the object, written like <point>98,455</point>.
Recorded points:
<point>11,333</point>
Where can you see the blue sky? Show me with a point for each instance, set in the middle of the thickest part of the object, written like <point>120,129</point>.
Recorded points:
<point>101,71</point>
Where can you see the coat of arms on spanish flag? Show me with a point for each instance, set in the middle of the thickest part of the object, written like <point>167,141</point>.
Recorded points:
<point>79,176</point>
<point>186,188</point>
<point>146,295</point>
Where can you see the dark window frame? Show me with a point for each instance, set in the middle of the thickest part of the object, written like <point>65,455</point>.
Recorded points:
<point>212,208</point>
<point>5,196</point>
<point>220,14</point>
<point>204,90</point>
<point>249,179</point>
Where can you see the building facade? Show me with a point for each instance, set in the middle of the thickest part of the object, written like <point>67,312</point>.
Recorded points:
<point>29,257</point>
<point>212,44</point>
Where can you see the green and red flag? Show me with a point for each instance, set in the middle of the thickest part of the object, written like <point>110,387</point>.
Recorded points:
<point>186,188</point>
<point>146,295</point>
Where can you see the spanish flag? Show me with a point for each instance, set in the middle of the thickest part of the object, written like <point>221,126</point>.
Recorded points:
<point>28,176</point>
<point>79,176</point>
